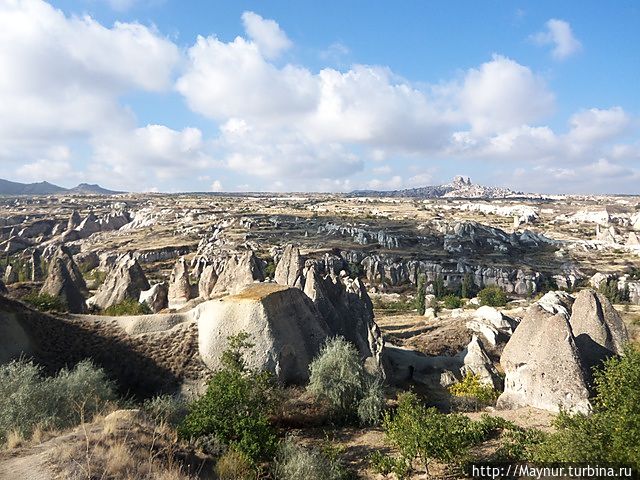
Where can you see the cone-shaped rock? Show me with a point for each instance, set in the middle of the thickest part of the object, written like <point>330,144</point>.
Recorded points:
<point>283,324</point>
<point>124,282</point>
<point>59,283</point>
<point>289,270</point>
<point>64,254</point>
<point>208,279</point>
<point>179,285</point>
<point>239,270</point>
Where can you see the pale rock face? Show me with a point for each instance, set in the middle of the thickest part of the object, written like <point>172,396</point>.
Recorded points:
<point>72,267</point>
<point>484,328</point>
<point>494,317</point>
<point>476,361</point>
<point>156,298</point>
<point>208,279</point>
<point>633,239</point>
<point>556,302</point>
<point>635,221</point>
<point>10,275</point>
<point>238,271</point>
<point>542,365</point>
<point>430,313</point>
<point>124,282</point>
<point>598,278</point>
<point>59,283</point>
<point>74,220</point>
<point>285,327</point>
<point>597,327</point>
<point>179,285</point>
<point>289,270</point>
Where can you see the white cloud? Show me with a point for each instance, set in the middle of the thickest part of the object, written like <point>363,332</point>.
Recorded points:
<point>560,35</point>
<point>216,186</point>
<point>266,34</point>
<point>503,94</point>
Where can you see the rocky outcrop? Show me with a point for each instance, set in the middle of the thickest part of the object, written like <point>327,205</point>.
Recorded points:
<point>283,324</point>
<point>476,361</point>
<point>597,327</point>
<point>207,282</point>
<point>10,275</point>
<point>239,270</point>
<point>35,264</point>
<point>65,254</point>
<point>156,298</point>
<point>179,284</point>
<point>60,283</point>
<point>123,282</point>
<point>542,365</point>
<point>289,270</point>
<point>74,220</point>
<point>549,359</point>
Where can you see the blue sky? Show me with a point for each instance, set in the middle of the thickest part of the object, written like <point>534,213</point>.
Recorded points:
<point>321,96</point>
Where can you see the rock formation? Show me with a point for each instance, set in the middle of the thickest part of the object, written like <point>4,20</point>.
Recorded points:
<point>289,270</point>
<point>35,262</point>
<point>179,285</point>
<point>123,282</point>
<point>542,365</point>
<point>549,359</point>
<point>285,327</point>
<point>60,283</point>
<point>239,270</point>
<point>64,254</point>
<point>74,220</point>
<point>156,298</point>
<point>10,275</point>
<point>208,279</point>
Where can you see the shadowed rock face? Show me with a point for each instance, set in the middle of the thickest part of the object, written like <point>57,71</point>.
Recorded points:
<point>549,359</point>
<point>156,298</point>
<point>124,282</point>
<point>59,283</point>
<point>179,285</point>
<point>285,327</point>
<point>3,288</point>
<point>238,271</point>
<point>597,327</point>
<point>64,254</point>
<point>289,270</point>
<point>208,279</point>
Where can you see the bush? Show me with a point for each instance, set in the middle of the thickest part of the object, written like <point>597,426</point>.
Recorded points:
<point>45,302</point>
<point>166,409</point>
<point>493,297</point>
<point>472,388</point>
<point>452,301</point>
<point>609,289</point>
<point>423,434</point>
<point>439,289</point>
<point>127,307</point>
<point>467,287</point>
<point>611,433</point>
<point>236,406</point>
<point>234,465</point>
<point>337,375</point>
<point>28,399</point>
<point>294,462</point>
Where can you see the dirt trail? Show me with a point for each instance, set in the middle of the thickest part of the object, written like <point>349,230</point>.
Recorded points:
<point>31,465</point>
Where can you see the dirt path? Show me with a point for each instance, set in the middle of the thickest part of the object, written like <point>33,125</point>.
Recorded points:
<point>32,465</point>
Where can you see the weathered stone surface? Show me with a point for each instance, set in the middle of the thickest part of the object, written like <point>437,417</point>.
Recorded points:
<point>208,279</point>
<point>10,275</point>
<point>289,270</point>
<point>35,264</point>
<point>494,317</point>
<point>597,327</point>
<point>60,283</point>
<point>64,254</point>
<point>476,361</point>
<point>239,270</point>
<point>179,285</point>
<point>123,282</point>
<point>542,365</point>
<point>284,325</point>
<point>156,298</point>
<point>74,220</point>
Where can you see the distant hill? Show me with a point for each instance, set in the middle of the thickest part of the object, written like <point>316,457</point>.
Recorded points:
<point>45,188</point>
<point>461,187</point>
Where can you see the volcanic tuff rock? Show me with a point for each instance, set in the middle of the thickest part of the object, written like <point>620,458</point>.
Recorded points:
<point>60,283</point>
<point>156,298</point>
<point>207,282</point>
<point>64,253</point>
<point>239,270</point>
<point>289,268</point>
<point>549,359</point>
<point>179,285</point>
<point>542,365</point>
<point>10,275</point>
<point>597,327</point>
<point>124,282</point>
<point>285,327</point>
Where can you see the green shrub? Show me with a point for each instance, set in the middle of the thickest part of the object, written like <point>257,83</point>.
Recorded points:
<point>609,288</point>
<point>492,296</point>
<point>166,409</point>
<point>45,302</point>
<point>236,406</point>
<point>29,399</point>
<point>611,433</point>
<point>467,287</point>
<point>270,268</point>
<point>294,462</point>
<point>423,434</point>
<point>439,289</point>
<point>385,465</point>
<point>421,291</point>
<point>470,387</point>
<point>127,307</point>
<point>452,301</point>
<point>235,465</point>
<point>337,375</point>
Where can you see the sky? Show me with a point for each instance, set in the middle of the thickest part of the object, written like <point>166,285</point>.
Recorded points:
<point>203,95</point>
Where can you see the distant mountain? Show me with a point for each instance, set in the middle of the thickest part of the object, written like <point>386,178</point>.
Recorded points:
<point>45,188</point>
<point>461,187</point>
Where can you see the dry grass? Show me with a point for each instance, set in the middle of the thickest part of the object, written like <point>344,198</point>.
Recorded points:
<point>138,450</point>
<point>14,440</point>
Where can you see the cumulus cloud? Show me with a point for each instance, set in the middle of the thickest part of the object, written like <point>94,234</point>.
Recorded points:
<point>266,34</point>
<point>558,33</point>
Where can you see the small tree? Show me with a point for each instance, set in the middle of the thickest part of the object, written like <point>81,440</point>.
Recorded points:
<point>439,289</point>
<point>492,296</point>
<point>236,406</point>
<point>467,288</point>
<point>420,294</point>
<point>451,301</point>
<point>338,376</point>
